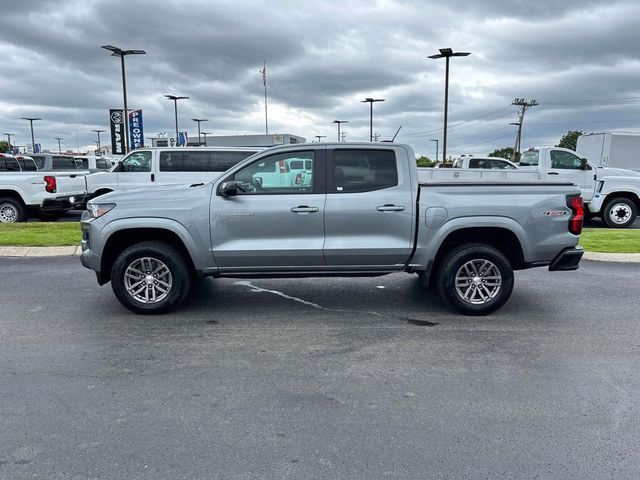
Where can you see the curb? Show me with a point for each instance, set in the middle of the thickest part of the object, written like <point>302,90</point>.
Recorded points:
<point>40,251</point>
<point>75,251</point>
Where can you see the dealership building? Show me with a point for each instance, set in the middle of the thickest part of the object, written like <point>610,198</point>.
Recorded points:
<point>234,140</point>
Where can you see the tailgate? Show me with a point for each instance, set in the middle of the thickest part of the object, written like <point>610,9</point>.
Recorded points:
<point>70,183</point>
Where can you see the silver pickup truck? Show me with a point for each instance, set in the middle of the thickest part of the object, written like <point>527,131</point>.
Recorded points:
<point>356,210</point>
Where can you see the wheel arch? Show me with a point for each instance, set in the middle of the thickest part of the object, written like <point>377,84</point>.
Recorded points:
<point>123,238</point>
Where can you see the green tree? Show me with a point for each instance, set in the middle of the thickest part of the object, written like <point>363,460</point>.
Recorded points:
<point>570,139</point>
<point>4,146</point>
<point>506,152</point>
<point>423,161</point>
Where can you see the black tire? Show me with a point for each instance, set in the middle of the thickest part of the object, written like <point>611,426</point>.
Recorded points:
<point>50,216</point>
<point>452,265</point>
<point>180,277</point>
<point>12,210</point>
<point>619,212</point>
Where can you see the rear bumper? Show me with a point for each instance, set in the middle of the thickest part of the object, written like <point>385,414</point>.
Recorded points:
<point>568,259</point>
<point>66,202</point>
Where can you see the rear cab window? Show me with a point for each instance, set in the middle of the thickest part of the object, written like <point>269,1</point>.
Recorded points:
<point>63,163</point>
<point>363,170</point>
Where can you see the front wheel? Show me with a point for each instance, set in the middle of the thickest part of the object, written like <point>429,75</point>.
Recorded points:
<point>475,279</point>
<point>619,213</point>
<point>150,278</point>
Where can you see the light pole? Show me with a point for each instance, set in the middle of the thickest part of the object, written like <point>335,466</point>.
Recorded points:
<point>370,101</point>
<point>435,140</point>
<point>31,120</point>
<point>338,122</point>
<point>205,137</point>
<point>175,99</point>
<point>320,137</point>
<point>118,52</point>
<point>9,135</point>
<point>199,120</point>
<point>447,53</point>
<point>59,148</point>
<point>98,142</point>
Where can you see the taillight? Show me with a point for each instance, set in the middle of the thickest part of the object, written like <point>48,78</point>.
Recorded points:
<point>577,214</point>
<point>50,182</point>
<point>299,179</point>
<point>283,166</point>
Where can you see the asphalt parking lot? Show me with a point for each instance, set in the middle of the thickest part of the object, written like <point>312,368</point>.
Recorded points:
<point>319,378</point>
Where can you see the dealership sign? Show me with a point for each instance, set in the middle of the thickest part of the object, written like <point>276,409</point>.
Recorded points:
<point>116,121</point>
<point>136,133</point>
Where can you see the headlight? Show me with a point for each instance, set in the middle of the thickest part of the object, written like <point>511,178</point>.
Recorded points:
<point>97,210</point>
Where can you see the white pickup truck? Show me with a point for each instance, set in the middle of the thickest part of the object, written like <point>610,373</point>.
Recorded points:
<point>47,195</point>
<point>611,193</point>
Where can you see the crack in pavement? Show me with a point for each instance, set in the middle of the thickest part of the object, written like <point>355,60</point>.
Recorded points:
<point>413,321</point>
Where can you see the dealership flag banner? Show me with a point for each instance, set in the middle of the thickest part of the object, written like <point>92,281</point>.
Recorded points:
<point>136,133</point>
<point>116,122</point>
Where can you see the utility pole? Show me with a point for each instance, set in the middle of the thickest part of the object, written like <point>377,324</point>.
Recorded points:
<point>342,136</point>
<point>264,82</point>
<point>523,105</point>
<point>376,136</point>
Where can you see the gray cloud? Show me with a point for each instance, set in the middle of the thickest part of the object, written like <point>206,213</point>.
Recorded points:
<point>323,58</point>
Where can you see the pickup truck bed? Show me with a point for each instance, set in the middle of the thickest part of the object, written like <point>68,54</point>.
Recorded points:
<point>363,212</point>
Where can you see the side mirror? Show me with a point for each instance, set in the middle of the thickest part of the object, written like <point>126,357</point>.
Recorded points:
<point>584,165</point>
<point>228,189</point>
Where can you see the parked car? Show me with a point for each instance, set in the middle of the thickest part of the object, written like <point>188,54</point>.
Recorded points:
<point>363,213</point>
<point>492,163</point>
<point>25,192</point>
<point>54,162</point>
<point>167,166</point>
<point>611,193</point>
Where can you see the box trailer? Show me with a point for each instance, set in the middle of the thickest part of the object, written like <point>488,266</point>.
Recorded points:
<point>611,149</point>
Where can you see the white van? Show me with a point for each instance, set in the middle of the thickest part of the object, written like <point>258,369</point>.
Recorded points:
<point>146,167</point>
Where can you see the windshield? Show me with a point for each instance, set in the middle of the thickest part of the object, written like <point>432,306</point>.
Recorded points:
<point>530,158</point>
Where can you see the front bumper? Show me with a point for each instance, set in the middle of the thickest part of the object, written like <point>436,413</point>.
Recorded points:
<point>568,259</point>
<point>66,202</point>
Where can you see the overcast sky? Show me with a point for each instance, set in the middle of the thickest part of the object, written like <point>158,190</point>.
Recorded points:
<point>323,58</point>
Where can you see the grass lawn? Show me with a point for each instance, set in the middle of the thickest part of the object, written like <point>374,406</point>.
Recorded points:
<point>610,240</point>
<point>41,234</point>
<point>58,234</point>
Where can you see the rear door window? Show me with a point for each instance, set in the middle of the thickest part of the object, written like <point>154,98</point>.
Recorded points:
<point>363,170</point>
<point>195,162</point>
<point>27,165</point>
<point>40,161</point>
<point>223,161</point>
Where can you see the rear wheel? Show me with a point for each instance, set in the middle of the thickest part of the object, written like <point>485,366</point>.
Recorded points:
<point>619,213</point>
<point>150,278</point>
<point>11,210</point>
<point>475,279</point>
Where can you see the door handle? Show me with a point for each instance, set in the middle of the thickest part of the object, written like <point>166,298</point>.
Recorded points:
<point>553,173</point>
<point>391,208</point>
<point>304,209</point>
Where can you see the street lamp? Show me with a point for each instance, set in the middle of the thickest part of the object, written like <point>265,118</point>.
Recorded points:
<point>199,120</point>
<point>435,140</point>
<point>31,120</point>
<point>118,52</point>
<point>175,99</point>
<point>320,137</point>
<point>58,138</point>
<point>98,142</point>
<point>447,53</point>
<point>370,101</point>
<point>338,122</point>
<point>205,137</point>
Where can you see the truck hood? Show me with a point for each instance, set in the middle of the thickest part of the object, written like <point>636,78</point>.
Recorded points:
<point>604,172</point>
<point>160,194</point>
